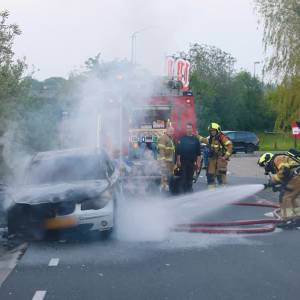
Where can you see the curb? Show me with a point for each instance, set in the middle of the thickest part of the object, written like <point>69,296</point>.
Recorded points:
<point>9,260</point>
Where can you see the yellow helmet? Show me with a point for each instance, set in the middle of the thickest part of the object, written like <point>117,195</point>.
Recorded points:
<point>264,159</point>
<point>214,126</point>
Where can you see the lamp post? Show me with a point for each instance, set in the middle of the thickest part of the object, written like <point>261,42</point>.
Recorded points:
<point>133,40</point>
<point>133,43</point>
<point>254,69</point>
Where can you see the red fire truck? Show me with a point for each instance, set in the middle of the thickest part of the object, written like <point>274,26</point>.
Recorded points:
<point>150,117</point>
<point>146,119</point>
<point>149,120</point>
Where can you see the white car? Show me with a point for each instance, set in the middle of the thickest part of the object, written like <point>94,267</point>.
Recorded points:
<point>65,189</point>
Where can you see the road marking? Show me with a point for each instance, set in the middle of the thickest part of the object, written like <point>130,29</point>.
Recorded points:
<point>53,262</point>
<point>39,295</point>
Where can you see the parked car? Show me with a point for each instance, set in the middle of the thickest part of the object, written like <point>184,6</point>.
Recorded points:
<point>64,189</point>
<point>205,153</point>
<point>243,141</point>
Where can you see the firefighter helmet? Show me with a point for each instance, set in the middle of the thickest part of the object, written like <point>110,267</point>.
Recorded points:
<point>214,126</point>
<point>264,159</point>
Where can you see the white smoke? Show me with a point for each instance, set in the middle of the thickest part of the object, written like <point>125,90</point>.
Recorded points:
<point>105,100</point>
<point>154,219</point>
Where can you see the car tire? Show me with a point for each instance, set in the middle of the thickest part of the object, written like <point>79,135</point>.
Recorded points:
<point>106,234</point>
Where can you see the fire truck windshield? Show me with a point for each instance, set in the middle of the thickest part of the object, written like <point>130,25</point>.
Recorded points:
<point>150,117</point>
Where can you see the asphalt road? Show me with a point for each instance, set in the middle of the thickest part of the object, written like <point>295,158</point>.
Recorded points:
<point>183,266</point>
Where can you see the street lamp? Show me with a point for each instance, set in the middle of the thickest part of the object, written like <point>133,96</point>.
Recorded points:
<point>254,69</point>
<point>133,43</point>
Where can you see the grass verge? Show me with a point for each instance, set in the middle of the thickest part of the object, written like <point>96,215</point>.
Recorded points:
<point>276,141</point>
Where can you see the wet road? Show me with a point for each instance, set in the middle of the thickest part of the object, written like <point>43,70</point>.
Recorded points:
<point>184,266</point>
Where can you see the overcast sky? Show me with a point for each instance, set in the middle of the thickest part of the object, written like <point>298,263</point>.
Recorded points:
<point>59,35</point>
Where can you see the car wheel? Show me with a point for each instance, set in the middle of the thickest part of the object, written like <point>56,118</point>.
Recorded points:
<point>106,234</point>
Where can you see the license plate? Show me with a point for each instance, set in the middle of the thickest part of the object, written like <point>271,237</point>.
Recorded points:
<point>60,223</point>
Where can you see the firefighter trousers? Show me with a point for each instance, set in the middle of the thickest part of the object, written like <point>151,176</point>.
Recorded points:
<point>166,171</point>
<point>217,168</point>
<point>289,207</point>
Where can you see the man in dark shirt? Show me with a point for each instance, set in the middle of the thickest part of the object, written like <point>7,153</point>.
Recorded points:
<point>188,156</point>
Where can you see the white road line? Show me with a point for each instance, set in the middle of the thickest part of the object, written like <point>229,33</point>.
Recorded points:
<point>53,262</point>
<point>39,295</point>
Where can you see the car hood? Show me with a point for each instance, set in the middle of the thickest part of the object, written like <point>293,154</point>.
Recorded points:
<point>62,192</point>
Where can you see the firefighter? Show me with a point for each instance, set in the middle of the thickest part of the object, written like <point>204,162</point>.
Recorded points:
<point>219,152</point>
<point>166,158</point>
<point>188,158</point>
<point>284,170</point>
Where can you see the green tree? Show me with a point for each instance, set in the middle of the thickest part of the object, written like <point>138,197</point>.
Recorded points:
<point>11,72</point>
<point>282,39</point>
<point>40,113</point>
<point>211,74</point>
<point>235,100</point>
<point>286,99</point>
<point>252,108</point>
<point>281,20</point>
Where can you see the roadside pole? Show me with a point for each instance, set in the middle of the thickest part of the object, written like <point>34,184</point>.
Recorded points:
<point>295,132</point>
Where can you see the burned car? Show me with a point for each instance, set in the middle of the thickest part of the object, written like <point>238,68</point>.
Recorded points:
<point>64,189</point>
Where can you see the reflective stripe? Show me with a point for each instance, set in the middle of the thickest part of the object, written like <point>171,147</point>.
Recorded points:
<point>275,178</point>
<point>165,159</point>
<point>173,146</point>
<point>227,143</point>
<point>228,153</point>
<point>166,150</point>
<point>282,165</point>
<point>166,147</point>
<point>161,146</point>
<point>161,158</point>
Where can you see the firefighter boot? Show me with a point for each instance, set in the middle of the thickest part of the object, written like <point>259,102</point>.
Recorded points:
<point>211,182</point>
<point>221,178</point>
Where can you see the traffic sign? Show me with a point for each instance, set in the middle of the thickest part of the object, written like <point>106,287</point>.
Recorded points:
<point>296,129</point>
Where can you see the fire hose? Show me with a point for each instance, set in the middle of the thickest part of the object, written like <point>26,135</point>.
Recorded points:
<point>210,227</point>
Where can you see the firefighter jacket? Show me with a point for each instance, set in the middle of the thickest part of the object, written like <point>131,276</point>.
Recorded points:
<point>285,168</point>
<point>166,148</point>
<point>219,145</point>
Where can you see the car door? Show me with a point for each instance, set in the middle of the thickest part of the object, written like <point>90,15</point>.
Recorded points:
<point>239,143</point>
<point>232,136</point>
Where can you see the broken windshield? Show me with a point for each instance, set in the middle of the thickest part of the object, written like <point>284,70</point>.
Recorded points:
<point>66,169</point>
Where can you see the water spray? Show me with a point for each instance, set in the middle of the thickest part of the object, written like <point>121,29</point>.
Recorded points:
<point>155,219</point>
